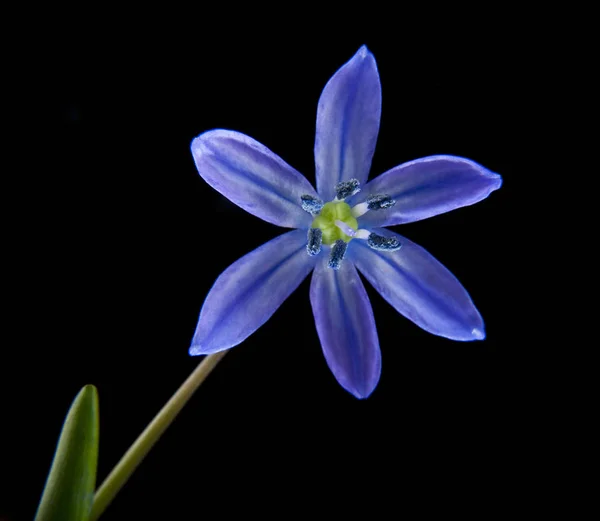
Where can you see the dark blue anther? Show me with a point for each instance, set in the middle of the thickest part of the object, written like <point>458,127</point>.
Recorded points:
<point>315,239</point>
<point>338,250</point>
<point>347,188</point>
<point>380,243</point>
<point>311,204</point>
<point>380,202</point>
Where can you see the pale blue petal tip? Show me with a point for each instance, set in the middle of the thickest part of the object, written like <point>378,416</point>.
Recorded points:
<point>361,395</point>
<point>195,351</point>
<point>497,178</point>
<point>478,334</point>
<point>498,181</point>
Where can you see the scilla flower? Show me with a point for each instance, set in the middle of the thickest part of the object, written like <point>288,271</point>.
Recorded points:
<point>338,229</point>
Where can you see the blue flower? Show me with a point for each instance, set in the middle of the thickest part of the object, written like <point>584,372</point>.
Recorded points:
<point>339,228</point>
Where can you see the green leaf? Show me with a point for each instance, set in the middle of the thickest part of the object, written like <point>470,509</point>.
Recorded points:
<point>69,490</point>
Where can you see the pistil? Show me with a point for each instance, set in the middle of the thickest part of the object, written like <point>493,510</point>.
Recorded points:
<point>331,214</point>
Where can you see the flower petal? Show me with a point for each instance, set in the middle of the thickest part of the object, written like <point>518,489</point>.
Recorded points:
<point>247,293</point>
<point>420,288</point>
<point>346,327</point>
<point>347,123</point>
<point>426,187</point>
<point>253,177</point>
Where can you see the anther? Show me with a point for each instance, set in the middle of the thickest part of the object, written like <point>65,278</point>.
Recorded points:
<point>380,202</point>
<point>338,250</point>
<point>373,202</point>
<point>311,204</point>
<point>346,188</point>
<point>315,239</point>
<point>380,243</point>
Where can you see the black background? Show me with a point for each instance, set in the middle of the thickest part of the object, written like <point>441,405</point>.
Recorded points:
<point>115,241</point>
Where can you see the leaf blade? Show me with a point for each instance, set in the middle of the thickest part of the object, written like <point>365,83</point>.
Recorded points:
<point>70,485</point>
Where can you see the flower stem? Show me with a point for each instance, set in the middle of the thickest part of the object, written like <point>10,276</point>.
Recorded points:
<point>146,440</point>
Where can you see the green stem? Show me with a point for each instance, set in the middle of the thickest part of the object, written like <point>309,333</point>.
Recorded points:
<point>137,452</point>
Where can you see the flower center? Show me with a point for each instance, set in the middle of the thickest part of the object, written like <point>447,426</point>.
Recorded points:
<point>325,221</point>
<point>335,223</point>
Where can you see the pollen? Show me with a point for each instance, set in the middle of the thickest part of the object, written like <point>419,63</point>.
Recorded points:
<point>315,238</point>
<point>311,204</point>
<point>380,243</point>
<point>345,189</point>
<point>338,250</point>
<point>380,202</point>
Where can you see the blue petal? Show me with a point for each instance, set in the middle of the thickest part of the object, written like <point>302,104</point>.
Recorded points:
<point>247,293</point>
<point>420,288</point>
<point>426,187</point>
<point>347,124</point>
<point>346,327</point>
<point>253,177</point>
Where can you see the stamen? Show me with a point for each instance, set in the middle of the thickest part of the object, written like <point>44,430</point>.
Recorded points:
<point>380,202</point>
<point>315,239</point>
<point>346,188</point>
<point>362,234</point>
<point>373,202</point>
<point>311,204</point>
<point>350,232</point>
<point>338,250</point>
<point>359,210</point>
<point>380,243</point>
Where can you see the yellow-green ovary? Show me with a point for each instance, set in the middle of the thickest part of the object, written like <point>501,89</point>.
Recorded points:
<point>331,212</point>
